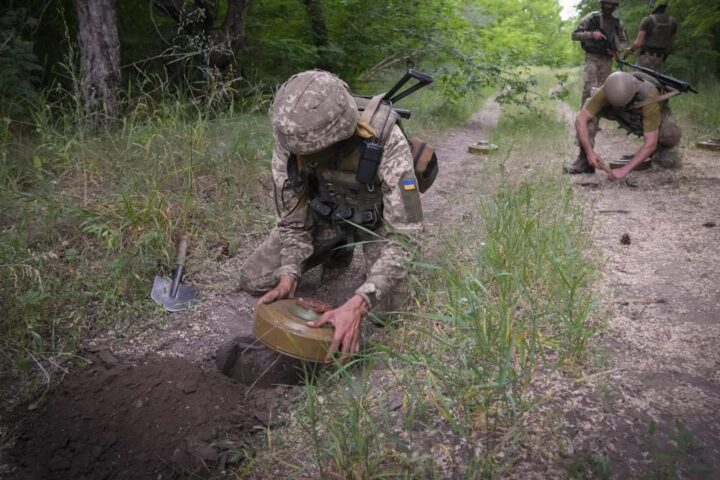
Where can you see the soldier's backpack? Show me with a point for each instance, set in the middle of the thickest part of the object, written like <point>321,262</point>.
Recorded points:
<point>381,115</point>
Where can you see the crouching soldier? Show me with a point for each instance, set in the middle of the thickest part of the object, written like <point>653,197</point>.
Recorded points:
<point>639,104</point>
<point>341,179</point>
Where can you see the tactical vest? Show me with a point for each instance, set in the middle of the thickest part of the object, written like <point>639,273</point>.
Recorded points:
<point>660,37</point>
<point>331,180</point>
<point>630,119</point>
<point>597,22</point>
<point>333,191</point>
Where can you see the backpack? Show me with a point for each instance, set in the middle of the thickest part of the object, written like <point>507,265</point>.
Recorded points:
<point>378,112</point>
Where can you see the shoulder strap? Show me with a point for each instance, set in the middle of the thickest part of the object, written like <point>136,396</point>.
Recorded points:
<point>651,100</point>
<point>380,117</point>
<point>370,109</point>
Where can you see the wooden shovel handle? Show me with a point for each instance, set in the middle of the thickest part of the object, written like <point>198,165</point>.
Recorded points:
<point>182,250</point>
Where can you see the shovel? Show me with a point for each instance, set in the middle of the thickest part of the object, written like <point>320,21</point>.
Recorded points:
<point>173,295</point>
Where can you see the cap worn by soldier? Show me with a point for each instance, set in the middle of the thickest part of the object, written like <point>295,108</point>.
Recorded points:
<point>312,111</point>
<point>611,2</point>
<point>620,88</point>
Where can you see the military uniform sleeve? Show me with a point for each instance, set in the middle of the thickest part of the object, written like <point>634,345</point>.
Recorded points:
<point>402,213</point>
<point>583,31</point>
<point>596,103</point>
<point>293,221</point>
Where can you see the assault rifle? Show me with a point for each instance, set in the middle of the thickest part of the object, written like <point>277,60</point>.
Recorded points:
<point>393,95</point>
<point>666,80</point>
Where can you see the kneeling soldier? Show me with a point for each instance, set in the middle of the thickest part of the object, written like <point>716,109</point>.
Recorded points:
<point>340,179</point>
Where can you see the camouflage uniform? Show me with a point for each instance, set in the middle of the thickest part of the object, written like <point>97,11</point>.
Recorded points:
<point>387,216</point>
<point>597,66</point>
<point>660,30</point>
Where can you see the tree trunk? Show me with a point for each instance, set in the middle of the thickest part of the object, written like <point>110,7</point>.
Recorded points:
<point>318,27</point>
<point>198,18</point>
<point>231,37</point>
<point>99,57</point>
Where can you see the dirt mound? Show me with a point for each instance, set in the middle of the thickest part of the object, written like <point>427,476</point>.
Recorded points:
<point>165,418</point>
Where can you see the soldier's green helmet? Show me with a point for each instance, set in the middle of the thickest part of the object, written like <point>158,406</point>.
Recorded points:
<point>312,111</point>
<point>620,88</point>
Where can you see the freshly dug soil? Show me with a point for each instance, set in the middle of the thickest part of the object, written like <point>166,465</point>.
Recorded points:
<point>166,418</point>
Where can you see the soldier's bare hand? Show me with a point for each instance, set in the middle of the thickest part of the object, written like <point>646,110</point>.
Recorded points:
<point>618,173</point>
<point>598,35</point>
<point>346,319</point>
<point>593,159</point>
<point>284,289</point>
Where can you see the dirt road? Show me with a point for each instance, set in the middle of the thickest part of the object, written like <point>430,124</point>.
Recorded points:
<point>662,399</point>
<point>651,406</point>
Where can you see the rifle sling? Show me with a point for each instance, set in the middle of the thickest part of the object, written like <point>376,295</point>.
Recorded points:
<point>659,98</point>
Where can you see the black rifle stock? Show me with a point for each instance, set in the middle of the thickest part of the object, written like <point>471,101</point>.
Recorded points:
<point>666,80</point>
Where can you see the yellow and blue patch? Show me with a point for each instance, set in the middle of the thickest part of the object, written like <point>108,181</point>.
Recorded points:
<point>410,184</point>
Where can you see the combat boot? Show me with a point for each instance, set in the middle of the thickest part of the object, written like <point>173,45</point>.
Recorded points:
<point>580,165</point>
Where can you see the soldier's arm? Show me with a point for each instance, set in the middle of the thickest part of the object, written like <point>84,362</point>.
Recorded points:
<point>584,32</point>
<point>638,43</point>
<point>652,118</point>
<point>292,219</point>
<point>581,129</point>
<point>402,213</point>
<point>650,140</point>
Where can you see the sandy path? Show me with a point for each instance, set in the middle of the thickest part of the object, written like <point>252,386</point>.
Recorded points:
<point>664,300</point>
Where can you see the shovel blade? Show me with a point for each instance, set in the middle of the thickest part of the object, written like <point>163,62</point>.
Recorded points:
<point>182,299</point>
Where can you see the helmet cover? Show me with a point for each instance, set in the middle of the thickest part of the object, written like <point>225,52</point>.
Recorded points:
<point>312,111</point>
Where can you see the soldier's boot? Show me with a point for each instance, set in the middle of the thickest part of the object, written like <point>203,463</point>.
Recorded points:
<point>340,257</point>
<point>580,165</point>
<point>670,158</point>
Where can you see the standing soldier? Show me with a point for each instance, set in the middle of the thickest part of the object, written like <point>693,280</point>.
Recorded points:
<point>601,34</point>
<point>655,39</point>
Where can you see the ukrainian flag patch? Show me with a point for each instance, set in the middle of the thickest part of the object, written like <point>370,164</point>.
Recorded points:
<point>410,184</point>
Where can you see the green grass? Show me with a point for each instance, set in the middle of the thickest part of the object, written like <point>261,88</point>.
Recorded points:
<point>88,218</point>
<point>702,112</point>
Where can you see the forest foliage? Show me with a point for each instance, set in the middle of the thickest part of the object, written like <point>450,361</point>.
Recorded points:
<point>241,48</point>
<point>696,53</point>
<point>467,44</point>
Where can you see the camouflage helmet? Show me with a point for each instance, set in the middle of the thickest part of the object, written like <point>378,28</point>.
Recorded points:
<point>311,111</point>
<point>611,2</point>
<point>620,88</point>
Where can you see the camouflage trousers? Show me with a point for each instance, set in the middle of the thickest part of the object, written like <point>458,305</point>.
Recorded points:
<point>597,69</point>
<point>652,61</point>
<point>668,154</point>
<point>331,245</point>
